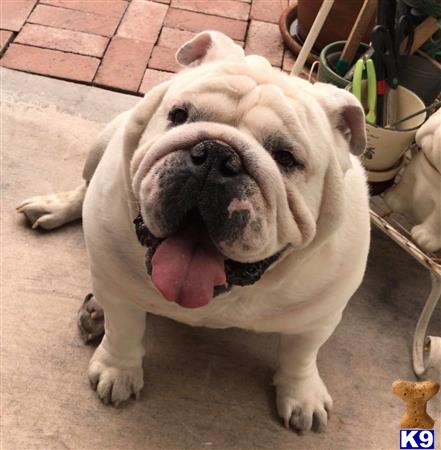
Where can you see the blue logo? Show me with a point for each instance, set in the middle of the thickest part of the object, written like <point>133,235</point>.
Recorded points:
<point>420,439</point>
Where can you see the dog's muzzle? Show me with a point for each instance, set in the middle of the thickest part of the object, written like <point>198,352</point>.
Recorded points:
<point>198,188</point>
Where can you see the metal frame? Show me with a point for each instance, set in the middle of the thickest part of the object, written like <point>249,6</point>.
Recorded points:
<point>426,352</point>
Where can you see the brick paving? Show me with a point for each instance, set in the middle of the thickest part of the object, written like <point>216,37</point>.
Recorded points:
<point>129,45</point>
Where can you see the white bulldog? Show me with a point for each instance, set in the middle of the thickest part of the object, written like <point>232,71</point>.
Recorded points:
<point>249,207</point>
<point>419,190</point>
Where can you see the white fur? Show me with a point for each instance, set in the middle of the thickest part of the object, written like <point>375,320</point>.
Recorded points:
<point>419,190</point>
<point>302,297</point>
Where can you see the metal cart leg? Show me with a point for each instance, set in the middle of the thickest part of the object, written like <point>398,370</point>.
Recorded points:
<point>427,351</point>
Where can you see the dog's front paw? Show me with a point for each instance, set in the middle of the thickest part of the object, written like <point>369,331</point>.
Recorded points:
<point>427,239</point>
<point>114,383</point>
<point>303,404</point>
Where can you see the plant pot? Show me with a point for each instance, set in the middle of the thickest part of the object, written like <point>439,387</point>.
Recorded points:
<point>291,40</point>
<point>422,77</point>
<point>328,57</point>
<point>385,146</point>
<point>296,21</point>
<point>383,157</point>
<point>338,24</point>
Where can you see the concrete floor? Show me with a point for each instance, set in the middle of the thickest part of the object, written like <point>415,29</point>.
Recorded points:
<point>205,389</point>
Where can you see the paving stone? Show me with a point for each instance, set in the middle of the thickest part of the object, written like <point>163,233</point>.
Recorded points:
<point>143,21</point>
<point>74,20</point>
<point>174,38</point>
<point>5,38</point>
<point>268,10</point>
<point>224,8</point>
<point>124,63</point>
<point>264,39</point>
<point>114,8</point>
<point>166,2</point>
<point>50,62</point>
<point>152,78</point>
<point>14,13</point>
<point>196,22</point>
<point>288,64</point>
<point>64,40</point>
<point>163,58</point>
<point>288,61</point>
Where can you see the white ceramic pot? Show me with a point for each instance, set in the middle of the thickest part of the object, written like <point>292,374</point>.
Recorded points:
<point>386,146</point>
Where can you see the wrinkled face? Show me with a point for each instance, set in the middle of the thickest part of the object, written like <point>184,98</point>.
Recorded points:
<point>229,174</point>
<point>229,157</point>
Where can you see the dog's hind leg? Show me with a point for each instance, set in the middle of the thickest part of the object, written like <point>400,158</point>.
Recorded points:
<point>91,320</point>
<point>53,210</point>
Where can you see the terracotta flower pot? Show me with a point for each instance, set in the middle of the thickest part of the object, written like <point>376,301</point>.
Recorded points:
<point>337,26</point>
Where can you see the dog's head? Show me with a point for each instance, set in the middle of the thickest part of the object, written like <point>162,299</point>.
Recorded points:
<point>234,163</point>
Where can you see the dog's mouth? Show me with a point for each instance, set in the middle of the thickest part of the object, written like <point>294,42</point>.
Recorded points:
<point>187,268</point>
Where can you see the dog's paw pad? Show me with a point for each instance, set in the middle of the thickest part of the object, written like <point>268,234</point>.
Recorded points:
<point>303,408</point>
<point>91,320</point>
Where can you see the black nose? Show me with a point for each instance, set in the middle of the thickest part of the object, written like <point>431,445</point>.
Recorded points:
<point>217,156</point>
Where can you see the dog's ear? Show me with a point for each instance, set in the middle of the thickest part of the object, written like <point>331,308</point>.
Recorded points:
<point>208,46</point>
<point>345,114</point>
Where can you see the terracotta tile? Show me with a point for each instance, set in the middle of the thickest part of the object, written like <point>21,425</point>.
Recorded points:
<point>64,40</point>
<point>124,64</point>
<point>143,21</point>
<point>15,12</point>
<point>264,39</point>
<point>268,10</point>
<point>74,20</point>
<point>5,38</point>
<point>50,62</point>
<point>288,60</point>
<point>113,8</point>
<point>152,78</point>
<point>174,38</point>
<point>196,22</point>
<point>224,8</point>
<point>163,58</point>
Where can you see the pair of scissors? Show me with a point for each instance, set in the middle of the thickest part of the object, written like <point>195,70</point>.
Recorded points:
<point>389,61</point>
<point>386,44</point>
<point>360,67</point>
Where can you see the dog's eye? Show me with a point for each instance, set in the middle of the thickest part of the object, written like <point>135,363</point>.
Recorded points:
<point>285,159</point>
<point>178,116</point>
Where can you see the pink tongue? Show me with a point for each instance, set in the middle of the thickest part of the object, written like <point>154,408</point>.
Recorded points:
<point>186,267</point>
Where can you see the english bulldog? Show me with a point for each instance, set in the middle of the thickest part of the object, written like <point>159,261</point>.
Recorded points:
<point>418,191</point>
<point>229,196</point>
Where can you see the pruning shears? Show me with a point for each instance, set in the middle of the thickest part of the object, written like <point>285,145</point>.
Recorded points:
<point>361,67</point>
